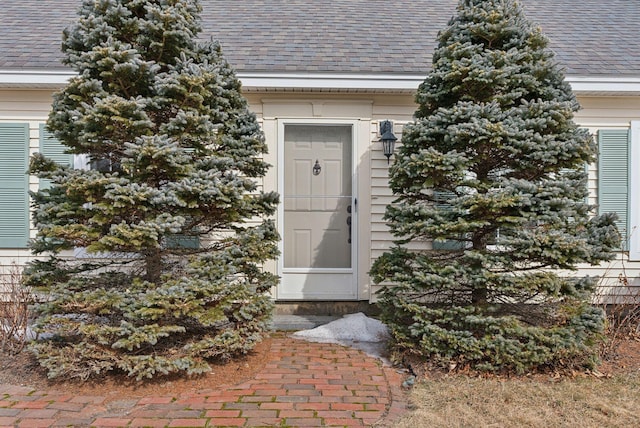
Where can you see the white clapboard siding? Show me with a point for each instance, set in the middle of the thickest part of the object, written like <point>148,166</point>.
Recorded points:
<point>32,107</point>
<point>28,105</point>
<point>597,113</point>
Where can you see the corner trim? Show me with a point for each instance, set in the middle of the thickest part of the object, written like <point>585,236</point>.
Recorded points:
<point>634,192</point>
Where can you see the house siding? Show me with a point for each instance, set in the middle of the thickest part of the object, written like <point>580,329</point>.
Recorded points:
<point>30,107</point>
<point>25,105</point>
<point>400,111</point>
<point>366,110</point>
<point>619,279</point>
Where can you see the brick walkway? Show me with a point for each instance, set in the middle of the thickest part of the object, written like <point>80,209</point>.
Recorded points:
<point>303,385</point>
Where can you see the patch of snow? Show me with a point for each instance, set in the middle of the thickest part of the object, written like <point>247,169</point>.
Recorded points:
<point>355,330</point>
<point>19,333</point>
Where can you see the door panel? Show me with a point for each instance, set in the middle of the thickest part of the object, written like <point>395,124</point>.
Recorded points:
<point>316,239</point>
<point>317,244</point>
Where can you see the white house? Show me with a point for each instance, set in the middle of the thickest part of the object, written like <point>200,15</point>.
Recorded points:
<point>321,75</point>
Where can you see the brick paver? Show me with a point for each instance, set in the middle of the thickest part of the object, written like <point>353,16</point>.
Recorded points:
<point>303,385</point>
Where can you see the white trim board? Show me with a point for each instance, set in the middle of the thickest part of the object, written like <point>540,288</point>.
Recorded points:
<point>609,85</point>
<point>634,192</point>
<point>287,290</point>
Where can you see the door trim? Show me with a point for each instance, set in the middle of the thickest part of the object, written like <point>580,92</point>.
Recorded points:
<point>353,293</point>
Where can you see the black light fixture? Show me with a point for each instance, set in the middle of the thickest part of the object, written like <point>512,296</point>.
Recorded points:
<point>387,138</point>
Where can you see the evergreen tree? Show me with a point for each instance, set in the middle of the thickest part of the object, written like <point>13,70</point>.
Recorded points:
<point>492,172</point>
<point>170,214</point>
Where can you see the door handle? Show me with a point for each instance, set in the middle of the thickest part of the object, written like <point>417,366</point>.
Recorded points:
<point>349,223</point>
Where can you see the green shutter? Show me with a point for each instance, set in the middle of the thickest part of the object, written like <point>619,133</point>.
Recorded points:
<point>613,175</point>
<point>183,241</point>
<point>442,199</point>
<point>53,149</point>
<point>14,185</point>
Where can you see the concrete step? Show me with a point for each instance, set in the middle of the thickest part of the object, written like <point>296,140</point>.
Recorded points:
<point>335,308</point>
<point>300,322</point>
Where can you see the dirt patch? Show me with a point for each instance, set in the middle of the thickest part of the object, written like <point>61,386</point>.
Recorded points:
<point>22,369</point>
<point>624,359</point>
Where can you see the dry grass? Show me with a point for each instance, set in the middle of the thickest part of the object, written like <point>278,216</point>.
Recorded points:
<point>541,401</point>
<point>585,402</point>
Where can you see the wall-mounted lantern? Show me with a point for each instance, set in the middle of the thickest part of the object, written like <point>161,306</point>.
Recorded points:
<point>317,168</point>
<point>387,138</point>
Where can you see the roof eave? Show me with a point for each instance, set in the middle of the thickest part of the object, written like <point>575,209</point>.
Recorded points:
<point>621,85</point>
<point>375,83</point>
<point>34,79</point>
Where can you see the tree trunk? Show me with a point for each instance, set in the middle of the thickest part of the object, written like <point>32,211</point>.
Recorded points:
<point>479,296</point>
<point>479,293</point>
<point>154,267</point>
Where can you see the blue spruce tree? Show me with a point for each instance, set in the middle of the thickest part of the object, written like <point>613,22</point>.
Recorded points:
<point>492,173</point>
<point>169,214</point>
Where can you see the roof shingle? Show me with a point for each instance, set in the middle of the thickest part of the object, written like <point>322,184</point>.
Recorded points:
<point>590,37</point>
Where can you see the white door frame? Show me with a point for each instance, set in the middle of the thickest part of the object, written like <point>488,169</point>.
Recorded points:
<point>353,292</point>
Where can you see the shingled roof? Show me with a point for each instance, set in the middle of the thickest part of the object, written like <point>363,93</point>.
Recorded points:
<point>590,37</point>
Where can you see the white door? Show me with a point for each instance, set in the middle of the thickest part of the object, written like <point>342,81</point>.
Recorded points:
<point>318,221</point>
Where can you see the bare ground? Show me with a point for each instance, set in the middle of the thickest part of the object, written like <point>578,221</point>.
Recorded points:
<point>22,369</point>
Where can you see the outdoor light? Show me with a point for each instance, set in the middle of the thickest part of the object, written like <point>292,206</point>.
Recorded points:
<point>387,138</point>
<point>317,168</point>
